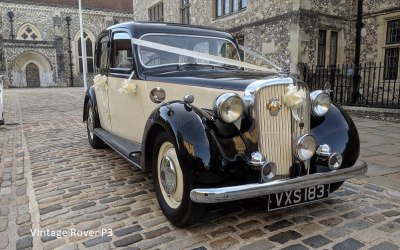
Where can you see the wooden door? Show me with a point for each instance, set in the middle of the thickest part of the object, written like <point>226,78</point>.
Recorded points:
<point>32,76</point>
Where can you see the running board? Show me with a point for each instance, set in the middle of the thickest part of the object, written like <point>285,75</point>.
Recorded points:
<point>131,151</point>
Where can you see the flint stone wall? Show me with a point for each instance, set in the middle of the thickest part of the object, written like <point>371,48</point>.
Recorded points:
<point>291,26</point>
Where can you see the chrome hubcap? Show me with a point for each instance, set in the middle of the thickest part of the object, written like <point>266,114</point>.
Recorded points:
<point>90,123</point>
<point>168,175</point>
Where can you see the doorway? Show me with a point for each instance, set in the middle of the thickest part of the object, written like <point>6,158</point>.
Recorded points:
<point>32,76</point>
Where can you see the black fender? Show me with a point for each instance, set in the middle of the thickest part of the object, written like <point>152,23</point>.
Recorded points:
<point>90,95</point>
<point>195,141</point>
<point>338,130</point>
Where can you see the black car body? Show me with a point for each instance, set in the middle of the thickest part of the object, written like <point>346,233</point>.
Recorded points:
<point>178,100</point>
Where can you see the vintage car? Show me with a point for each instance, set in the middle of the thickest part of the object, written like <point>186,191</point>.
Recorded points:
<point>180,101</point>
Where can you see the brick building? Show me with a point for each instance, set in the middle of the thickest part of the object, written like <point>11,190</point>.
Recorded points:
<point>40,39</point>
<point>312,32</point>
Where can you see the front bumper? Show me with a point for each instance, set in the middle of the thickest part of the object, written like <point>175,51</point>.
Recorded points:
<point>215,195</point>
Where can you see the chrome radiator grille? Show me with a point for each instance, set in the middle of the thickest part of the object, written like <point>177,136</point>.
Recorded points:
<point>276,133</point>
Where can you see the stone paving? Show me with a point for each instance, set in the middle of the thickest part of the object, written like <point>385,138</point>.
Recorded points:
<point>52,180</point>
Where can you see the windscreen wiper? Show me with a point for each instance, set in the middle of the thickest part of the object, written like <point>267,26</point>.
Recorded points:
<point>212,66</point>
<point>227,66</point>
<point>193,65</point>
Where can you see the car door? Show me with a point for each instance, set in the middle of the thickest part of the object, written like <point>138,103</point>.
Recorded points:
<point>102,62</point>
<point>127,118</point>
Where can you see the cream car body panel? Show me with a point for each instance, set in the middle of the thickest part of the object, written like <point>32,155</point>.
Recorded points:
<point>102,106</point>
<point>126,110</point>
<point>204,96</point>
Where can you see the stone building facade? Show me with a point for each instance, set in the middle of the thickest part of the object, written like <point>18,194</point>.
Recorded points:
<point>381,36</point>
<point>40,40</point>
<point>308,32</point>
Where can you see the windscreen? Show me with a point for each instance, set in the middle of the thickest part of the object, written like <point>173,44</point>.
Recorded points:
<point>152,57</point>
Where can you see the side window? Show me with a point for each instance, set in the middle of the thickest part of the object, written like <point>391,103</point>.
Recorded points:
<point>121,52</point>
<point>102,55</point>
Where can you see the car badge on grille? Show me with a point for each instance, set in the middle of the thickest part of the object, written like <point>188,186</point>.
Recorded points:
<point>274,106</point>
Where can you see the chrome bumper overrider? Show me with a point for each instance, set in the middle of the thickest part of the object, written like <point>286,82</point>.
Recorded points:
<point>214,195</point>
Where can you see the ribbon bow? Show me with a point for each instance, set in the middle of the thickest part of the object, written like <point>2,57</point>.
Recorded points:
<point>295,99</point>
<point>128,87</point>
<point>100,80</point>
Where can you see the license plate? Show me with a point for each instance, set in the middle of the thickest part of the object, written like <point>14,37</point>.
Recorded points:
<point>296,197</point>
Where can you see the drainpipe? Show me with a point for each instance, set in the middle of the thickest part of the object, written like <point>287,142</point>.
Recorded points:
<point>357,54</point>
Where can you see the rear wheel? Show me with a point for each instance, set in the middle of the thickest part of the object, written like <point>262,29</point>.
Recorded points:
<point>92,123</point>
<point>172,185</point>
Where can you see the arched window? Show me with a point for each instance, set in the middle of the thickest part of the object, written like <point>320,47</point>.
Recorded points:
<point>89,46</point>
<point>29,32</point>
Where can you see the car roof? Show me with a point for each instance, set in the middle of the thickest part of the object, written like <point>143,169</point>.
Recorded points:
<point>140,28</point>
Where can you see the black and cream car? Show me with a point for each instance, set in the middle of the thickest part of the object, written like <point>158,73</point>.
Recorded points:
<point>179,101</point>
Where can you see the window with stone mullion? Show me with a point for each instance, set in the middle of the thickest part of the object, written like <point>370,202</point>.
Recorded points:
<point>89,54</point>
<point>333,48</point>
<point>321,48</point>
<point>392,51</point>
<point>393,32</point>
<point>391,63</point>
<point>156,12</point>
<point>227,7</point>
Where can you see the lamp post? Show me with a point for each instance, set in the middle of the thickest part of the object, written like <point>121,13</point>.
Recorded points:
<point>356,78</point>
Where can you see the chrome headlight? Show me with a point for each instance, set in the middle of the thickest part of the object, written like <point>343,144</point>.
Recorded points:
<point>305,147</point>
<point>320,102</point>
<point>228,107</point>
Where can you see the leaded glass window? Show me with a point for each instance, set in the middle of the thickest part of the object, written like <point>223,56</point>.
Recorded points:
<point>29,32</point>
<point>391,63</point>
<point>156,12</point>
<point>333,48</point>
<point>227,7</point>
<point>321,48</point>
<point>392,50</point>
<point>393,32</point>
<point>89,53</point>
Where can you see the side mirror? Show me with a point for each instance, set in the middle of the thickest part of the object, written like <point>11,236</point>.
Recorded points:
<point>157,95</point>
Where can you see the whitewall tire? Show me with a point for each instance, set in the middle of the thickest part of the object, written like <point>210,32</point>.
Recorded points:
<point>172,183</point>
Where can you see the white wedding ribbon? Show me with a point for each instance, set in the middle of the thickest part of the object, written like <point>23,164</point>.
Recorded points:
<point>199,55</point>
<point>100,81</point>
<point>296,114</point>
<point>295,99</point>
<point>256,55</point>
<point>128,86</point>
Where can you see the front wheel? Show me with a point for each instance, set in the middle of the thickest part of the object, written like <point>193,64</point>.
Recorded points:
<point>172,185</point>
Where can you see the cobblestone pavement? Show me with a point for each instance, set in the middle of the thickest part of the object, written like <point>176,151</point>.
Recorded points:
<point>52,179</point>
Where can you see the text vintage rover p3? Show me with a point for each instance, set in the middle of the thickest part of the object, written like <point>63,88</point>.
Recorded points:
<point>178,100</point>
